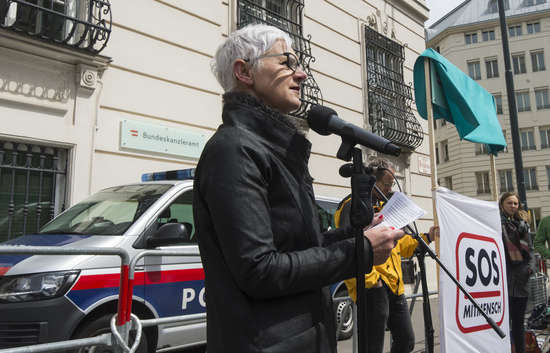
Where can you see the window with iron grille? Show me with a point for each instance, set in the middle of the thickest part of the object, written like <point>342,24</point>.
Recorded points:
<point>83,25</point>
<point>389,98</point>
<point>286,15</point>
<point>32,187</point>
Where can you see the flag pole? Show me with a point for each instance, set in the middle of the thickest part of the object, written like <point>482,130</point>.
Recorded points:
<point>494,189</point>
<point>431,135</point>
<point>433,171</point>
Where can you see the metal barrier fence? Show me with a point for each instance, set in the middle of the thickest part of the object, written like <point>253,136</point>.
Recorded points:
<point>124,321</point>
<point>166,320</point>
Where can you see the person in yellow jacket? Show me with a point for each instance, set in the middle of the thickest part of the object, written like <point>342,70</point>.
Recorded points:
<point>386,304</point>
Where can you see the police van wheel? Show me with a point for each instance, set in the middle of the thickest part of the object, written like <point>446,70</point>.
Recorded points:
<point>344,315</point>
<point>98,327</point>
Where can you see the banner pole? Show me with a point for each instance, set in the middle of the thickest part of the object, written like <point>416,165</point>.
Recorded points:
<point>494,189</point>
<point>431,135</point>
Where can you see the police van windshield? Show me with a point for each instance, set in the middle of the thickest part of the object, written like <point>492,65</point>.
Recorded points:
<point>109,212</point>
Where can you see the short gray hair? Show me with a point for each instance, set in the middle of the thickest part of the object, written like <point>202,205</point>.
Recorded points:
<point>249,42</point>
<point>381,162</point>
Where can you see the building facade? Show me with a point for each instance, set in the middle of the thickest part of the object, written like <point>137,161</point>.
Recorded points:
<point>470,37</point>
<point>96,93</point>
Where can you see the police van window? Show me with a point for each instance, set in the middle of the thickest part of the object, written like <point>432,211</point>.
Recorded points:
<point>326,210</point>
<point>109,212</point>
<point>181,211</point>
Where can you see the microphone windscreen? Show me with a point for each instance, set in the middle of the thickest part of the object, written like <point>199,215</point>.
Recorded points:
<point>318,118</point>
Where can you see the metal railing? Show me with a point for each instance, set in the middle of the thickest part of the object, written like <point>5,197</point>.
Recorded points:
<point>122,299</point>
<point>81,25</point>
<point>166,320</point>
<point>124,321</point>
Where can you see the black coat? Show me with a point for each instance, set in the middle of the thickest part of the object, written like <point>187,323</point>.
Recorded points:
<point>518,273</point>
<point>266,264</point>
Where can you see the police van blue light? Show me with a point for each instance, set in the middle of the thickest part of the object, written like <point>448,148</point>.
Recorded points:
<point>182,174</point>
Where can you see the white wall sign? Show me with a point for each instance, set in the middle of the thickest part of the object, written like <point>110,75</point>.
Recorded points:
<point>424,165</point>
<point>160,139</point>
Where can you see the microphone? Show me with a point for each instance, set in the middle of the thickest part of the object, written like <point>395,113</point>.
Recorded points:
<point>325,121</point>
<point>346,170</point>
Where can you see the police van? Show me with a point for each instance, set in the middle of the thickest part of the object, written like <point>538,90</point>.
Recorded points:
<point>49,298</point>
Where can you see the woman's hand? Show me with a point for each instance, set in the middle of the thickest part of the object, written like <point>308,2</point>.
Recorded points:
<point>383,240</point>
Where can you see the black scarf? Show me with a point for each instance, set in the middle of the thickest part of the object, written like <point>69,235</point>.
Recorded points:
<point>515,233</point>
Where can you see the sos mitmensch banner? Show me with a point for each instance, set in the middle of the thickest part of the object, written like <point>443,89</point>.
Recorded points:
<point>471,248</point>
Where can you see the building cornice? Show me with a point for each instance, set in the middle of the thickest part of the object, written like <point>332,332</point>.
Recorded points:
<point>38,48</point>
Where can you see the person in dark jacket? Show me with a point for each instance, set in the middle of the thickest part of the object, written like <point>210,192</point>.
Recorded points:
<point>520,263</point>
<point>267,266</point>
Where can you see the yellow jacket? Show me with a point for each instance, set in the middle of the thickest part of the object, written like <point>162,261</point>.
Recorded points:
<point>390,271</point>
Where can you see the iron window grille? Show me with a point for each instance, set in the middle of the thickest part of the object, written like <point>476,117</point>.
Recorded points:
<point>77,24</point>
<point>389,98</point>
<point>32,187</point>
<point>286,15</point>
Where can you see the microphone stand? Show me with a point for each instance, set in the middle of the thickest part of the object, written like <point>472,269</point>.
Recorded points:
<point>361,215</point>
<point>420,255</point>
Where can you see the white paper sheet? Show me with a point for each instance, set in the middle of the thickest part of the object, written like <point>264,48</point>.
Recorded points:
<point>400,211</point>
